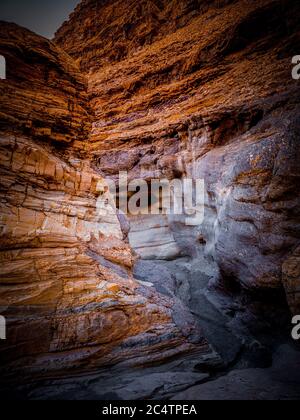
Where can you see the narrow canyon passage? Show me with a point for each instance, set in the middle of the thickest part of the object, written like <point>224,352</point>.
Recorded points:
<point>101,303</point>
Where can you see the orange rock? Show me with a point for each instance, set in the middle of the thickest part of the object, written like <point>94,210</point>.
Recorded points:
<point>65,308</point>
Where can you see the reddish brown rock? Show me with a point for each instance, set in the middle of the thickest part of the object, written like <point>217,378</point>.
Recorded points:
<point>66,284</point>
<point>160,89</point>
<point>46,94</point>
<point>201,89</point>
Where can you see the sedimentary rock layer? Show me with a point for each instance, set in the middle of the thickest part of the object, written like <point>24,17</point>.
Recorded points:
<point>202,89</point>
<point>169,89</point>
<point>66,284</point>
<point>46,94</point>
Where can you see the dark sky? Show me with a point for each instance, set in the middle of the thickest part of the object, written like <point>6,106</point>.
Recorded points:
<point>41,16</point>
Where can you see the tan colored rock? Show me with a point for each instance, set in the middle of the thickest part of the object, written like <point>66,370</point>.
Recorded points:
<point>172,89</point>
<point>151,238</point>
<point>204,90</point>
<point>66,285</point>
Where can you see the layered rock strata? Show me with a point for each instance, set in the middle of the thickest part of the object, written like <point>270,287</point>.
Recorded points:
<point>198,89</point>
<point>204,90</point>
<point>66,284</point>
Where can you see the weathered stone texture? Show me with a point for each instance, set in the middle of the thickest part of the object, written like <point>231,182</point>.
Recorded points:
<point>206,94</point>
<point>66,284</point>
<point>161,89</point>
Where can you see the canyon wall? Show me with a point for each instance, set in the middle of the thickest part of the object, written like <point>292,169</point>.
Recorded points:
<point>204,90</point>
<point>66,284</point>
<point>161,89</point>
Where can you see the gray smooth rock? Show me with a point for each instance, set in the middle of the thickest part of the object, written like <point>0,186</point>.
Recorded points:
<point>280,382</point>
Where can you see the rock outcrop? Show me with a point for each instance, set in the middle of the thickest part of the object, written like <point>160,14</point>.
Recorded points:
<point>161,89</point>
<point>291,280</point>
<point>280,382</point>
<point>66,284</point>
<point>204,90</point>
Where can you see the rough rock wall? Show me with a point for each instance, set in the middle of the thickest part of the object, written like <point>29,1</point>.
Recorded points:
<point>66,284</point>
<point>100,32</point>
<point>202,89</point>
<point>181,88</point>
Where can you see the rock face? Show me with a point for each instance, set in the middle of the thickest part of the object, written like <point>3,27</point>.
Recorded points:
<point>161,89</point>
<point>204,90</point>
<point>152,238</point>
<point>46,94</point>
<point>291,280</point>
<point>281,382</point>
<point>66,284</point>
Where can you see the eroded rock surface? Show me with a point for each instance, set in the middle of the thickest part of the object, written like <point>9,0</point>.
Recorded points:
<point>204,90</point>
<point>66,284</point>
<point>161,89</point>
<point>281,382</point>
<point>291,279</point>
